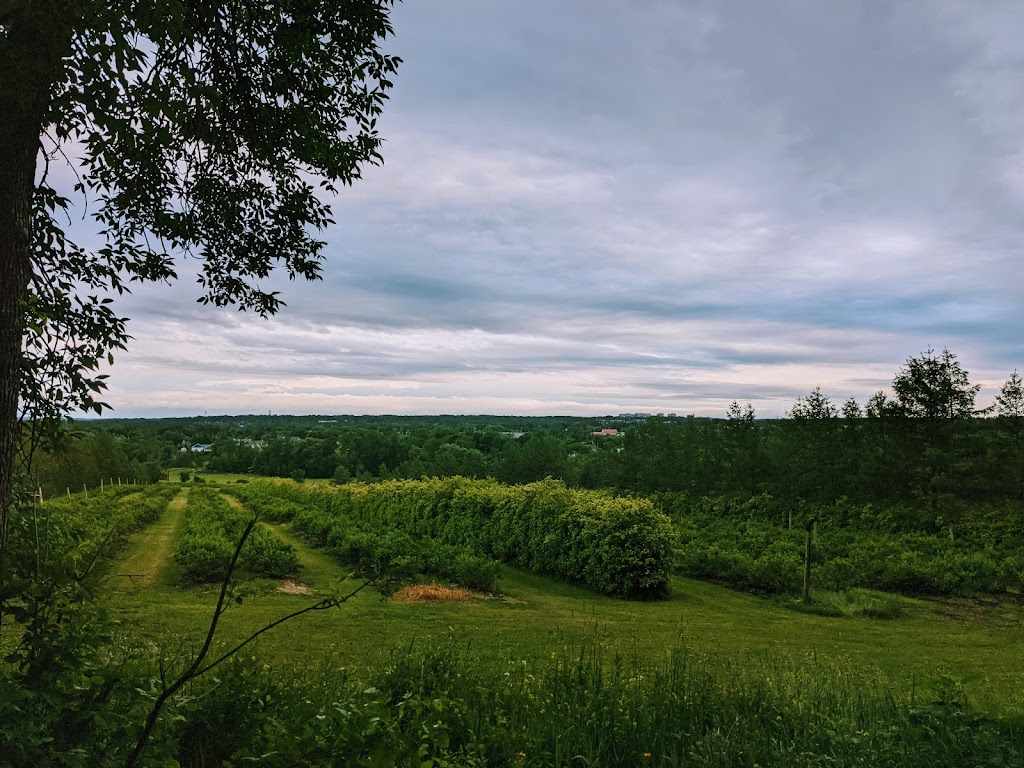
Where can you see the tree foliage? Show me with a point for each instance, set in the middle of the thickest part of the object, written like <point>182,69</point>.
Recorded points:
<point>198,129</point>
<point>203,137</point>
<point>934,387</point>
<point>1010,400</point>
<point>815,406</point>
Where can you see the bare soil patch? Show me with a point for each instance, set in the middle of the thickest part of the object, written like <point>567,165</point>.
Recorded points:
<point>292,587</point>
<point>428,593</point>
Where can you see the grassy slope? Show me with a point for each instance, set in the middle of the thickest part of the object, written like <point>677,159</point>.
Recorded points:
<point>544,616</point>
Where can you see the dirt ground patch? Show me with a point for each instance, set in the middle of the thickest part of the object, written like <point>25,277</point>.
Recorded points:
<point>292,587</point>
<point>428,593</point>
<point>1001,611</point>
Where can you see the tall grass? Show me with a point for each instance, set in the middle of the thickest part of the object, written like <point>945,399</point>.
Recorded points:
<point>447,707</point>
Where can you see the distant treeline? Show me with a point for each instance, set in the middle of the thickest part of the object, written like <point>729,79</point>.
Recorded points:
<point>87,458</point>
<point>925,442</point>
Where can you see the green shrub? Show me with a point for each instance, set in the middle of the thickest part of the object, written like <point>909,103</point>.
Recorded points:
<point>750,545</point>
<point>209,534</point>
<point>617,546</point>
<point>69,532</point>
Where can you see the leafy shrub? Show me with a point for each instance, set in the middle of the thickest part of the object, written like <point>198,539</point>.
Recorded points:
<point>70,532</point>
<point>617,546</point>
<point>748,544</point>
<point>376,551</point>
<point>209,535</point>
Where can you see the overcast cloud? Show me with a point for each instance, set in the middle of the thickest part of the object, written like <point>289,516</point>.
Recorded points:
<point>597,207</point>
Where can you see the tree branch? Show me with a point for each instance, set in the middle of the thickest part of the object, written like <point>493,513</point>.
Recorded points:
<point>197,668</point>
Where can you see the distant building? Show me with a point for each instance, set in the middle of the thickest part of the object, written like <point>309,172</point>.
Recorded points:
<point>608,433</point>
<point>633,417</point>
<point>201,448</point>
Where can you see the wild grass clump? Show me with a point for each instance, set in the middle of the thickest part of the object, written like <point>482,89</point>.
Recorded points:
<point>445,707</point>
<point>854,602</point>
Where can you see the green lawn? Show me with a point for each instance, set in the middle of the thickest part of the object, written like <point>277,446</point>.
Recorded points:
<point>537,616</point>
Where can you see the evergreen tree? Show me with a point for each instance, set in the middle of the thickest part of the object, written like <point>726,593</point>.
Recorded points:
<point>935,398</point>
<point>1010,407</point>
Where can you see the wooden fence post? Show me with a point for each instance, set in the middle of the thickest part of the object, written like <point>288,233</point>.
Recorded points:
<point>809,525</point>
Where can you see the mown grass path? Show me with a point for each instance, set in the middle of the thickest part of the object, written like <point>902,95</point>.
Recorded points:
<point>149,553</point>
<point>321,572</point>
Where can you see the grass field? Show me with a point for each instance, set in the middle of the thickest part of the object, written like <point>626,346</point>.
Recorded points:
<point>533,618</point>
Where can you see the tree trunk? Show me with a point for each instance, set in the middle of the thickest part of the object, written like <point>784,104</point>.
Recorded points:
<point>38,36</point>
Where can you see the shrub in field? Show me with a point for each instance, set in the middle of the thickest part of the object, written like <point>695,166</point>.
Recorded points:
<point>617,546</point>
<point>754,555</point>
<point>459,566</point>
<point>750,545</point>
<point>72,531</point>
<point>209,534</point>
<point>371,549</point>
<point>267,506</point>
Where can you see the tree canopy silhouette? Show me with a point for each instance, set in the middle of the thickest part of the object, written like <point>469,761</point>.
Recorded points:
<point>209,129</point>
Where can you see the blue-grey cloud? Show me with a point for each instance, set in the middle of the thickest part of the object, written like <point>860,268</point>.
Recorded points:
<point>653,205</point>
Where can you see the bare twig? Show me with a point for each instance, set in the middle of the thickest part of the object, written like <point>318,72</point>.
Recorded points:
<point>167,691</point>
<point>197,667</point>
<point>323,605</point>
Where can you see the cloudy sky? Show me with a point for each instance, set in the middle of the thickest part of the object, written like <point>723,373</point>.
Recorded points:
<point>592,206</point>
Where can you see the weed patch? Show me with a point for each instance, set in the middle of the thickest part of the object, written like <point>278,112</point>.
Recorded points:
<point>865,603</point>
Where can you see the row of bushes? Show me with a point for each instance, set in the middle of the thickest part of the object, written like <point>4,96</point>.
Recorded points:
<point>616,546</point>
<point>73,531</point>
<point>977,525</point>
<point>392,556</point>
<point>750,545</point>
<point>210,532</point>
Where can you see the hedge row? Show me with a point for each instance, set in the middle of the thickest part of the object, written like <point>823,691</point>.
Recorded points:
<point>392,556</point>
<point>749,544</point>
<point>74,530</point>
<point>617,546</point>
<point>210,532</point>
